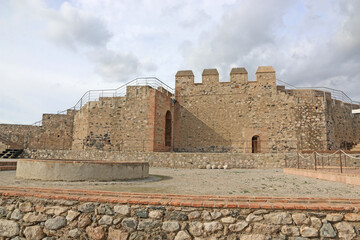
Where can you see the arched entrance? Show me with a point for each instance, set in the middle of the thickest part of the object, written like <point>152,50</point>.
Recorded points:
<point>168,129</point>
<point>255,143</point>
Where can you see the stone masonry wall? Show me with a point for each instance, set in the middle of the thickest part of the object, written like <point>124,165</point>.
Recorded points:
<point>55,132</point>
<point>343,128</point>
<point>131,123</point>
<point>34,218</point>
<point>224,116</point>
<point>183,160</point>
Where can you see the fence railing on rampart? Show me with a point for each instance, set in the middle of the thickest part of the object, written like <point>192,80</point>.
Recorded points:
<point>335,94</point>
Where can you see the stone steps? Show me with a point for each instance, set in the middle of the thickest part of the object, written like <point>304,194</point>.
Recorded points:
<point>11,153</point>
<point>7,165</point>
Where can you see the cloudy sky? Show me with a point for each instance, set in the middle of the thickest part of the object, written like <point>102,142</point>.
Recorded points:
<point>51,52</point>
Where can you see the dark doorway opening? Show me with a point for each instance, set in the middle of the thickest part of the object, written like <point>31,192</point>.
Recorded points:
<point>255,142</point>
<point>168,129</point>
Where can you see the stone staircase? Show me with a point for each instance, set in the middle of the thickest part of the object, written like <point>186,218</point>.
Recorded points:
<point>11,153</point>
<point>9,165</point>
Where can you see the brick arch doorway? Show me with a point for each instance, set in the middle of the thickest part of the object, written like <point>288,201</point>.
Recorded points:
<point>255,144</point>
<point>168,124</point>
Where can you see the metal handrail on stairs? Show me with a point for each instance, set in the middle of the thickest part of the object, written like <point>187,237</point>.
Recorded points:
<point>5,138</point>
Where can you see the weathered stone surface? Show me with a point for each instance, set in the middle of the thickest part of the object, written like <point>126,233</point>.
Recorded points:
<point>334,217</point>
<point>238,227</point>
<point>122,209</point>
<point>117,234</point>
<point>156,214</point>
<point>96,233</point>
<point>104,209</point>
<point>260,212</point>
<point>170,226</point>
<point>148,224</point>
<point>142,213</point>
<point>196,228</point>
<point>16,214</point>
<point>129,223</point>
<point>9,228</point>
<point>3,212</point>
<point>301,219</point>
<point>194,215</point>
<point>254,218</point>
<point>83,221</point>
<point>71,215</point>
<point>87,207</point>
<point>182,235</point>
<point>34,233</point>
<point>265,228</point>
<point>33,217</point>
<point>55,223</point>
<point>254,237</point>
<point>278,218</point>
<point>106,220</point>
<point>327,230</point>
<point>352,217</point>
<point>309,232</point>
<point>176,216</point>
<point>215,215</point>
<point>55,210</point>
<point>205,215</point>
<point>75,233</point>
<point>345,230</point>
<point>290,231</point>
<point>228,220</point>
<point>315,222</point>
<point>26,207</point>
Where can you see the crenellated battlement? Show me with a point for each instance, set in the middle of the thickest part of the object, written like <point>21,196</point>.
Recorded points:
<point>184,81</point>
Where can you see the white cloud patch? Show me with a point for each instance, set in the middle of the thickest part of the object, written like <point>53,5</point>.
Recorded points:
<point>118,67</point>
<point>73,28</point>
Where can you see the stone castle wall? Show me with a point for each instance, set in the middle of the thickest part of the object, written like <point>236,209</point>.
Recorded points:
<point>55,133</point>
<point>131,123</point>
<point>210,116</point>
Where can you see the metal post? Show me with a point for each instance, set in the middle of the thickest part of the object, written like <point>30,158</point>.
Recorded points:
<point>345,160</point>
<point>315,160</point>
<point>329,161</point>
<point>341,170</point>
<point>298,160</point>
<point>322,161</point>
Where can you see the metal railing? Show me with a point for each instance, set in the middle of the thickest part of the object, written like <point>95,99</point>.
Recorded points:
<point>335,94</point>
<point>94,95</point>
<point>4,138</point>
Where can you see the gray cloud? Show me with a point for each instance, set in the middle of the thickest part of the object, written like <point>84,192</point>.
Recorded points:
<point>313,48</point>
<point>117,67</point>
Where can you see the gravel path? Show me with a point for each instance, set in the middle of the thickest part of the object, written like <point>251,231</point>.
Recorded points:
<point>250,182</point>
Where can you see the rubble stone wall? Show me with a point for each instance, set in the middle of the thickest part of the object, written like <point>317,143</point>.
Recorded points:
<point>34,218</point>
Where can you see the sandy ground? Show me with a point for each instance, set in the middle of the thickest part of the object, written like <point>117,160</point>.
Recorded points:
<point>254,182</point>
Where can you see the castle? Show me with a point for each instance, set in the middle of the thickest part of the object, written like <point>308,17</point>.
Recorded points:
<point>212,116</point>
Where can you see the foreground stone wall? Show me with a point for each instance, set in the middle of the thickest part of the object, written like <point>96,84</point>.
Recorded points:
<point>34,218</point>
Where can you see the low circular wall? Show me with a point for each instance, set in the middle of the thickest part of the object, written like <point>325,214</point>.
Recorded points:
<point>70,170</point>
